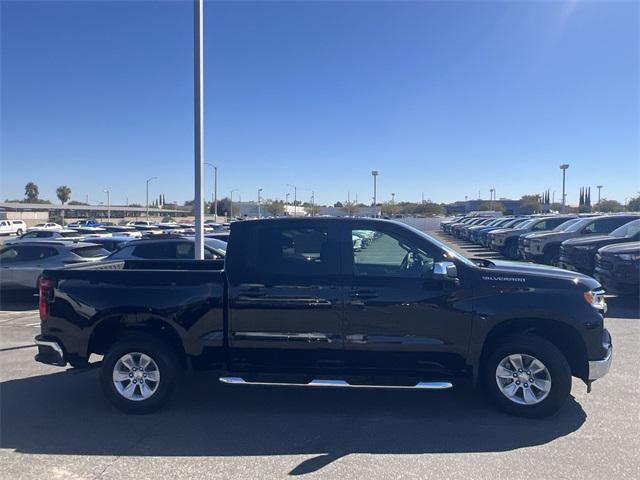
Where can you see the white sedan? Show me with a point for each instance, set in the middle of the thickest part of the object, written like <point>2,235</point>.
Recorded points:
<point>46,226</point>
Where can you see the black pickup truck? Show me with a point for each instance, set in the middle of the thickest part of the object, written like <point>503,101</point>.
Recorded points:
<point>329,302</point>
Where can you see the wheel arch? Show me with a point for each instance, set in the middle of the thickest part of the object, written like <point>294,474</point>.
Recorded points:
<point>562,335</point>
<point>112,328</point>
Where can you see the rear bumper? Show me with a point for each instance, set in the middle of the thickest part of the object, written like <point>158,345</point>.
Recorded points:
<point>49,352</point>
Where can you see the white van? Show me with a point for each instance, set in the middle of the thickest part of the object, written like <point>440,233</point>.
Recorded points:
<point>9,227</point>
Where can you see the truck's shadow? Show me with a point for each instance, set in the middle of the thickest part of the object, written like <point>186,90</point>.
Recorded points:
<point>627,306</point>
<point>65,414</point>
<point>18,301</point>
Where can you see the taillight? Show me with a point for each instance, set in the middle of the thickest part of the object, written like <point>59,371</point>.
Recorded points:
<point>45,288</point>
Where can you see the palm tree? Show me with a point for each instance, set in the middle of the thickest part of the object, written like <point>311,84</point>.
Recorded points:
<point>64,194</point>
<point>31,191</point>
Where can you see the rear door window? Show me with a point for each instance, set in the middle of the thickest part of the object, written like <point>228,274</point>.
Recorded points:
<point>157,250</point>
<point>291,251</point>
<point>90,252</point>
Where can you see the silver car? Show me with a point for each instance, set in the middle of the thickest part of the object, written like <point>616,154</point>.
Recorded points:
<point>21,264</point>
<point>45,236</point>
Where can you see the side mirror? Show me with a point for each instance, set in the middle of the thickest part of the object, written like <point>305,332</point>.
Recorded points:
<point>445,271</point>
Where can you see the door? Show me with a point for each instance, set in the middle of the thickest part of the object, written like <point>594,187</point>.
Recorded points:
<point>286,302</point>
<point>397,316</point>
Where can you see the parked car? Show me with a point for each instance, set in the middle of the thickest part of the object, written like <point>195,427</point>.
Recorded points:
<point>46,226</point>
<point>122,230</point>
<point>455,228</point>
<point>579,253</point>
<point>506,241</point>
<point>524,240</point>
<point>93,232</point>
<point>463,232</point>
<point>484,237</point>
<point>618,268</point>
<point>168,249</point>
<point>295,304</point>
<point>46,236</point>
<point>22,264</point>
<point>474,232</point>
<point>112,243</point>
<point>12,227</point>
<point>545,248</point>
<point>84,223</point>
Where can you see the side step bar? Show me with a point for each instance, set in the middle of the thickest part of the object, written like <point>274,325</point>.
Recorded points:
<point>340,384</point>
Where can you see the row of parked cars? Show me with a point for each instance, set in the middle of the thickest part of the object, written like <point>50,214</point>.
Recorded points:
<point>606,247</point>
<point>22,259</point>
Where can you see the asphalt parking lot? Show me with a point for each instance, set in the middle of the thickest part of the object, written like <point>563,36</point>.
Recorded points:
<point>54,423</point>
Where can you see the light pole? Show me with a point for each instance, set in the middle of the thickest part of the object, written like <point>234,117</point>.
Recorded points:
<point>198,124</point>
<point>148,180</point>
<point>231,203</point>
<point>564,167</point>
<point>259,190</point>
<point>491,190</point>
<point>295,198</point>
<point>286,196</point>
<point>393,203</point>
<point>108,204</point>
<point>215,189</point>
<point>374,174</point>
<point>599,187</point>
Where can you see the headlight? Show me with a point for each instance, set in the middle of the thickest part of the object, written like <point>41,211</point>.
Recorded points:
<point>629,256</point>
<point>595,298</point>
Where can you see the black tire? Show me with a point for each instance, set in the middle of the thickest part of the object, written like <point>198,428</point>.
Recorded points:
<point>511,251</point>
<point>544,351</point>
<point>19,232</point>
<point>552,256</point>
<point>166,359</point>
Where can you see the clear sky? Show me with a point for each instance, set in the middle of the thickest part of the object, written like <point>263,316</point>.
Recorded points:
<point>445,98</point>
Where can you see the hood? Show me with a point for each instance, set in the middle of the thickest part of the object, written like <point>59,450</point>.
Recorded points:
<point>595,241</point>
<point>618,248</point>
<point>554,235</point>
<point>507,271</point>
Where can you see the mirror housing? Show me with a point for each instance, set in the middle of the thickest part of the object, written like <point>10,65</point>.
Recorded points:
<point>445,271</point>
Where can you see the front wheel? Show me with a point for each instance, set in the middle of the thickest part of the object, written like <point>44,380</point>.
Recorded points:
<point>139,373</point>
<point>527,375</point>
<point>19,232</point>
<point>511,251</point>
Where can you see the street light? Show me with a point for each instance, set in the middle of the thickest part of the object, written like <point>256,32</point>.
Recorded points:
<point>491,190</point>
<point>259,190</point>
<point>148,180</point>
<point>215,189</point>
<point>295,198</point>
<point>393,203</point>
<point>375,174</point>
<point>564,167</point>
<point>108,204</point>
<point>599,187</point>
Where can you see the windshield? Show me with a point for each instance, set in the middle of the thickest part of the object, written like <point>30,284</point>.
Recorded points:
<point>68,234</point>
<point>627,230</point>
<point>450,252</point>
<point>528,223</point>
<point>578,225</point>
<point>90,252</point>
<point>563,226</point>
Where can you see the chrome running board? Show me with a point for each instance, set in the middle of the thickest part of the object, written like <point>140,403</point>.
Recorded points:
<point>339,384</point>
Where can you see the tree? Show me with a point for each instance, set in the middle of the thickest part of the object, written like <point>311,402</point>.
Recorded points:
<point>496,206</point>
<point>64,194</point>
<point>76,202</point>
<point>31,191</point>
<point>223,206</point>
<point>607,206</point>
<point>633,205</point>
<point>352,208</point>
<point>530,204</point>
<point>429,208</point>
<point>274,207</point>
<point>338,205</point>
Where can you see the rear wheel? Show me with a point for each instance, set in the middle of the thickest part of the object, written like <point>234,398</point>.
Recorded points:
<point>552,257</point>
<point>139,373</point>
<point>527,375</point>
<point>19,232</point>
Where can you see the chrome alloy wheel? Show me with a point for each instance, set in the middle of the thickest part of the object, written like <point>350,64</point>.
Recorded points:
<point>136,376</point>
<point>523,379</point>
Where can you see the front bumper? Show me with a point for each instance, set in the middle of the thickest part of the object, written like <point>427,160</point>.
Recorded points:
<point>599,368</point>
<point>49,352</point>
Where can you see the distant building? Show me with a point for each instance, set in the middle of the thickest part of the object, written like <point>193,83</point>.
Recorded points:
<point>511,207</point>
